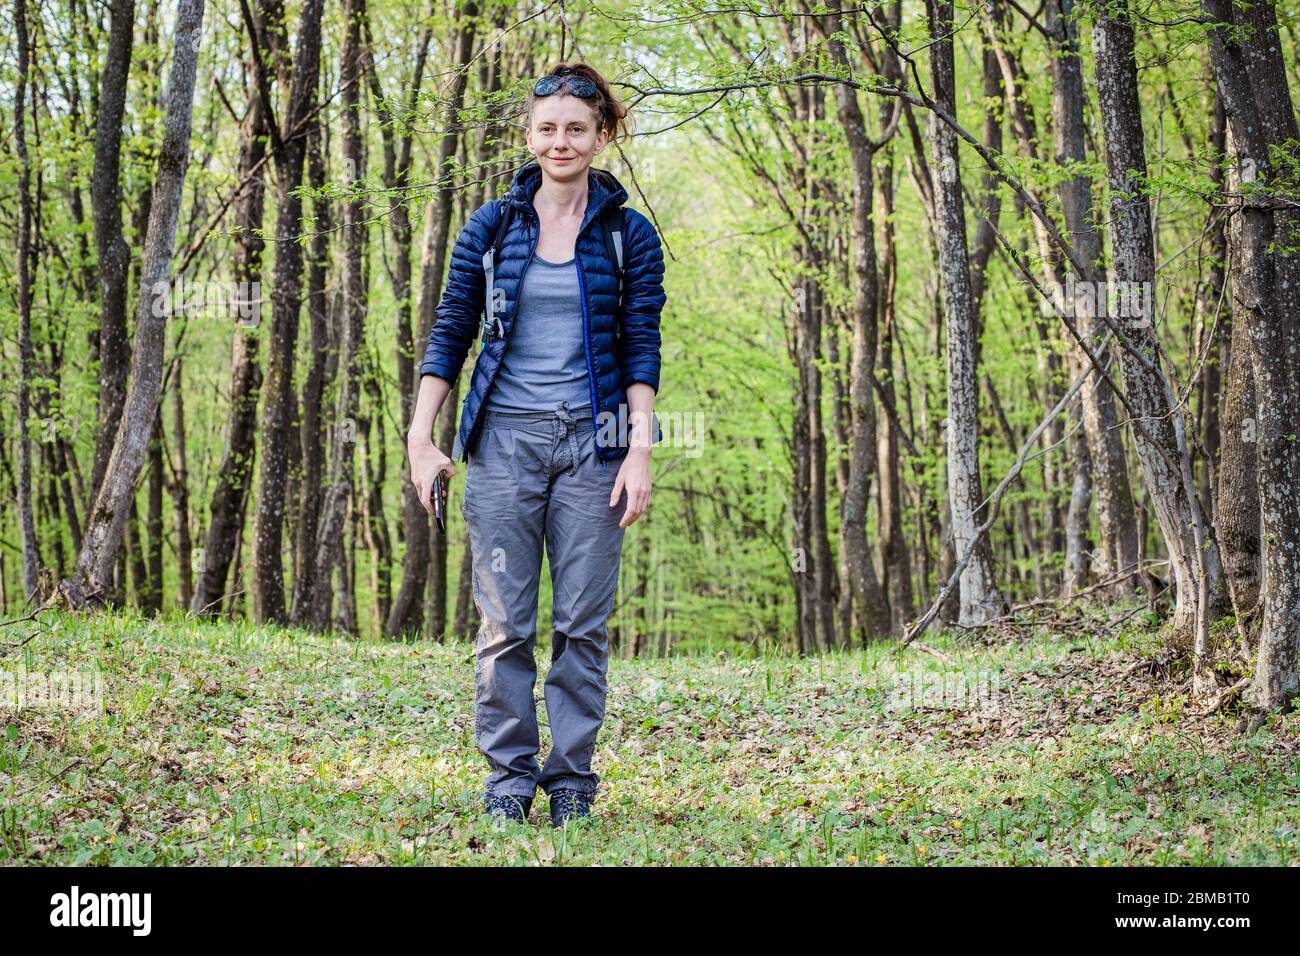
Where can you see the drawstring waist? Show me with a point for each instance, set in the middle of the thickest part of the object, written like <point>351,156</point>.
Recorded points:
<point>566,423</point>
<point>570,432</point>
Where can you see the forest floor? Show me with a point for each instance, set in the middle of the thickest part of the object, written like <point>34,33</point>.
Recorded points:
<point>225,743</point>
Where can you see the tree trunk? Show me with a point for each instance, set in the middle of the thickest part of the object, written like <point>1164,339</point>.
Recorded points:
<point>135,554</point>
<point>1112,496</point>
<point>1076,522</point>
<point>374,468</point>
<point>869,606</point>
<point>235,473</point>
<point>311,436</point>
<point>436,595</point>
<point>1238,507</point>
<point>180,489</point>
<point>897,560</point>
<point>340,491</point>
<point>1214,317</point>
<point>1157,427</point>
<point>466,621</point>
<point>26,355</point>
<point>286,300</point>
<point>151,599</point>
<point>106,519</point>
<point>113,256</point>
<point>980,600</point>
<point>1252,80</point>
<point>397,169</point>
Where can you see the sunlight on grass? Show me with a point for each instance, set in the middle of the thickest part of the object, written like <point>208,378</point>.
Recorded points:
<point>224,743</point>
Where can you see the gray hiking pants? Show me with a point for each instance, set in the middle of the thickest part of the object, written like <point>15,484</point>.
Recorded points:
<point>534,477</point>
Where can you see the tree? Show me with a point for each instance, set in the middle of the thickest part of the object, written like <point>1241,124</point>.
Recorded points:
<point>111,250</point>
<point>980,600</point>
<point>1158,428</point>
<point>870,608</point>
<point>313,605</point>
<point>235,472</point>
<point>1252,80</point>
<point>31,551</point>
<point>107,518</point>
<point>278,409</point>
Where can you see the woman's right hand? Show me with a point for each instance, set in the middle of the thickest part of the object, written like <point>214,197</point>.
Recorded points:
<point>426,462</point>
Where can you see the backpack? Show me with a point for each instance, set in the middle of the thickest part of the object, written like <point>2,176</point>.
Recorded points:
<point>611,224</point>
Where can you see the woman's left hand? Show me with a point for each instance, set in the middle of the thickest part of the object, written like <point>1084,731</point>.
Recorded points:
<point>634,476</point>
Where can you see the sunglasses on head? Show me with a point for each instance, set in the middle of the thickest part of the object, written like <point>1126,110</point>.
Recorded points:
<point>579,86</point>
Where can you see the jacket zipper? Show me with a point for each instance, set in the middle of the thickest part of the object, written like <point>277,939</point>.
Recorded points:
<point>586,348</point>
<point>478,419</point>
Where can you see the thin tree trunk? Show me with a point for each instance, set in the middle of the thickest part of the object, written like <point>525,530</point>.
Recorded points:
<point>897,560</point>
<point>340,491</point>
<point>870,608</point>
<point>405,612</point>
<point>310,432</point>
<point>1076,522</point>
<point>135,547</point>
<point>180,489</point>
<point>26,355</point>
<point>111,250</point>
<point>1214,313</point>
<point>436,595</point>
<point>67,465</point>
<point>374,475</point>
<point>980,600</point>
<point>800,506</point>
<point>1111,492</point>
<point>845,616</point>
<point>466,613</point>
<point>278,407</point>
<point>235,472</point>
<point>106,519</point>
<point>151,599</point>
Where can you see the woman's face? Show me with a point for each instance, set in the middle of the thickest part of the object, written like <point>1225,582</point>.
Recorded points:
<point>564,136</point>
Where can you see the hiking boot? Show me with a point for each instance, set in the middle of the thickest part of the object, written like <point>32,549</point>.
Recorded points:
<point>507,806</point>
<point>568,805</point>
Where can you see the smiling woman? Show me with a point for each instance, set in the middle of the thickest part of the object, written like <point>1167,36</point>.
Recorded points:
<point>570,286</point>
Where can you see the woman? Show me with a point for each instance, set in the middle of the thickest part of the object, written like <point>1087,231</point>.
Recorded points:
<point>564,386</point>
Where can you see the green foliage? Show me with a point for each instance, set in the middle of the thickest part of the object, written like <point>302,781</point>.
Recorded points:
<point>736,185</point>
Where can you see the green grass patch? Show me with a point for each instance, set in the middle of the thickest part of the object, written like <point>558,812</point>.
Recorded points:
<point>222,743</point>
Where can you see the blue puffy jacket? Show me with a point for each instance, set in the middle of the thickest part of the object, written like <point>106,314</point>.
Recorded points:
<point>622,347</point>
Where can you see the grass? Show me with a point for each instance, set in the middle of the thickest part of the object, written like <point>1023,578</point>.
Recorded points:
<point>229,744</point>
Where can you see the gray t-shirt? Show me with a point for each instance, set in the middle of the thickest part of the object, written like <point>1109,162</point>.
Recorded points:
<point>544,361</point>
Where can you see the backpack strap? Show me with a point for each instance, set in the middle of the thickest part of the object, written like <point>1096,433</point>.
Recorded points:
<point>612,221</point>
<point>494,328</point>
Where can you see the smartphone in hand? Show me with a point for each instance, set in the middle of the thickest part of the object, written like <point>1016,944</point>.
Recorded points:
<point>440,502</point>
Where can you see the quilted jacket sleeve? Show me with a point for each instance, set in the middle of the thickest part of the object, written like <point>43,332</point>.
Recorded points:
<point>457,314</point>
<point>643,301</point>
